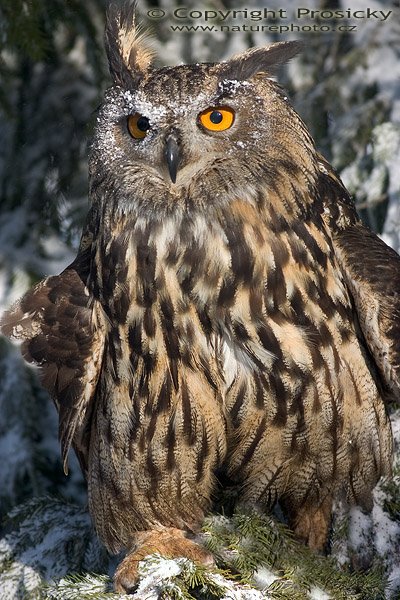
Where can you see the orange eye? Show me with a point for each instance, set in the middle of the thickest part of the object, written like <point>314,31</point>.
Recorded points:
<point>138,126</point>
<point>218,118</point>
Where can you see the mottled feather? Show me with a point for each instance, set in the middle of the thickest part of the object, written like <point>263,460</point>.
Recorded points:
<point>372,272</point>
<point>128,47</point>
<point>265,60</point>
<point>61,333</point>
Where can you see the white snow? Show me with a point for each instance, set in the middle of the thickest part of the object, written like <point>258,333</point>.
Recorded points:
<point>317,594</point>
<point>263,577</point>
<point>153,571</point>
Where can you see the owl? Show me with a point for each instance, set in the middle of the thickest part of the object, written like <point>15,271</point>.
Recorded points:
<point>227,318</point>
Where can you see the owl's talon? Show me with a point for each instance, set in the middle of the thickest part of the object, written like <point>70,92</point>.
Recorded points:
<point>169,542</point>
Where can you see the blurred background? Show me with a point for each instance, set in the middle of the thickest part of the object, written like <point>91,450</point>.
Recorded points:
<point>53,72</point>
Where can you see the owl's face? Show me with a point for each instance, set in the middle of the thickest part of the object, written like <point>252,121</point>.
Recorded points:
<point>182,134</point>
<point>181,122</point>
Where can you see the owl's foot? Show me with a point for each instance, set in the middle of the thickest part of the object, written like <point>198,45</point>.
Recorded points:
<point>169,542</point>
<point>312,523</point>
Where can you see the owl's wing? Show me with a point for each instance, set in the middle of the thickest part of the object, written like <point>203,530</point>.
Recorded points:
<point>372,273</point>
<point>61,332</point>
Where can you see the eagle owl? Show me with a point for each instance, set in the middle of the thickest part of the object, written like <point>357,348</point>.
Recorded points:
<point>227,317</point>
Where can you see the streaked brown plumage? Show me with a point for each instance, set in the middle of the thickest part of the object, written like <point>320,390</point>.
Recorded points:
<point>240,321</point>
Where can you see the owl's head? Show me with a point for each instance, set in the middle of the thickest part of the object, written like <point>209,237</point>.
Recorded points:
<point>202,131</point>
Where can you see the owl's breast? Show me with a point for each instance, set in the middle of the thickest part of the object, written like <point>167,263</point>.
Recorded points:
<point>232,291</point>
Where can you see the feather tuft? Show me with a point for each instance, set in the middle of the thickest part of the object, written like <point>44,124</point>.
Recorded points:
<point>259,60</point>
<point>127,46</point>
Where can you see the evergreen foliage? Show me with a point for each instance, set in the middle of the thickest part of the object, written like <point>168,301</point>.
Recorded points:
<point>50,551</point>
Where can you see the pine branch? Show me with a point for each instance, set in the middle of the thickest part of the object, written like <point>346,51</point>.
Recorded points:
<point>255,541</point>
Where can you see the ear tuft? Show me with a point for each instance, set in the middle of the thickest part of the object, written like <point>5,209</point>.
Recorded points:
<point>259,60</point>
<point>129,56</point>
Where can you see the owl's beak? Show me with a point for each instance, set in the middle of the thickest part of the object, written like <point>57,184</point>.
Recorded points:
<point>172,155</point>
